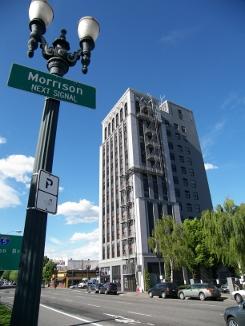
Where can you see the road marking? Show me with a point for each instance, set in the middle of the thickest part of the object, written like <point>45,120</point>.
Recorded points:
<point>124,320</point>
<point>138,313</point>
<point>72,316</point>
<point>93,305</point>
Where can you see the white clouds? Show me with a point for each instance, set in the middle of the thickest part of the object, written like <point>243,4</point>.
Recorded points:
<point>55,241</point>
<point>94,235</point>
<point>211,137</point>
<point>8,196</point>
<point>210,166</point>
<point>17,168</point>
<point>3,140</point>
<point>175,36</point>
<point>82,212</point>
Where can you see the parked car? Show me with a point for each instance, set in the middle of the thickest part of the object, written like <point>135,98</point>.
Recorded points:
<point>83,284</point>
<point>95,288</point>
<point>108,288</point>
<point>163,290</point>
<point>224,288</point>
<point>74,286</point>
<point>235,316</point>
<point>238,295</point>
<point>200,290</point>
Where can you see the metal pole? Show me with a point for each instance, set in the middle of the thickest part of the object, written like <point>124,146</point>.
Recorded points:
<point>28,289</point>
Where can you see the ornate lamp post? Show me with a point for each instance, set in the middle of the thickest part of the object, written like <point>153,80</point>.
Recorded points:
<point>59,60</point>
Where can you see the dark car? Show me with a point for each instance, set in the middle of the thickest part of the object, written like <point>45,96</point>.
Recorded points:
<point>163,290</point>
<point>95,288</point>
<point>108,288</point>
<point>235,316</point>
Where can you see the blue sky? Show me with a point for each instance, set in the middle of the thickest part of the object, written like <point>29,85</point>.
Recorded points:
<point>192,52</point>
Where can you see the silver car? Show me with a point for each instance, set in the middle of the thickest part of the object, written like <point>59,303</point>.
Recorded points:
<point>238,295</point>
<point>200,290</point>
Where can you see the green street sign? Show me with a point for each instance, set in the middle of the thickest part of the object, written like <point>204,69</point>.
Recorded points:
<point>10,246</point>
<point>49,85</point>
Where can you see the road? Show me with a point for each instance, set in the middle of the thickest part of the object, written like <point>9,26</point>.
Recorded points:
<point>66,307</point>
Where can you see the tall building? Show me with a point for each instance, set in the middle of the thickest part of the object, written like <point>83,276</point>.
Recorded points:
<point>151,165</point>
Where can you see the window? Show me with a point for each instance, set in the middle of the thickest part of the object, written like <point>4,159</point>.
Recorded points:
<point>183,170</point>
<point>166,122</point>
<point>169,133</point>
<point>155,186</point>
<point>109,129</point>
<point>121,115</point>
<point>195,195</point>
<point>174,169</point>
<point>176,126</point>
<point>189,207</point>
<point>116,120</point>
<point>177,192</point>
<point>160,210</point>
<point>183,128</point>
<point>150,217</point>
<point>176,180</point>
<point>145,185</point>
<point>137,107</point>
<point>193,184</point>
<point>172,157</point>
<point>170,145</point>
<point>188,151</point>
<point>197,208</point>
<point>177,135</point>
<point>105,133</point>
<point>180,114</point>
<point>126,109</point>
<point>180,148</point>
<point>191,172</point>
<point>189,160</point>
<point>187,194</point>
<point>181,159</point>
<point>185,182</point>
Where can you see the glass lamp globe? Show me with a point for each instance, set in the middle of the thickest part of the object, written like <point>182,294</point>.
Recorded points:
<point>40,9</point>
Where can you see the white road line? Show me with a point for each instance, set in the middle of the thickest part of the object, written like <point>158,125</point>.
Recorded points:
<point>138,313</point>
<point>72,316</point>
<point>93,305</point>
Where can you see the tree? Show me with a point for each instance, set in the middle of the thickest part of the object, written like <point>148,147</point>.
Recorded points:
<point>167,237</point>
<point>224,231</point>
<point>48,270</point>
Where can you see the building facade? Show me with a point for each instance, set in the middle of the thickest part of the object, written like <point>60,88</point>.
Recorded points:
<point>151,165</point>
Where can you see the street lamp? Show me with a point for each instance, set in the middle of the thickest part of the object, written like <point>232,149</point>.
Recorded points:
<point>59,60</point>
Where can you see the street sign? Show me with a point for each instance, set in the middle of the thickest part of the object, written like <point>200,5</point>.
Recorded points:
<point>48,183</point>
<point>53,86</point>
<point>47,192</point>
<point>10,246</point>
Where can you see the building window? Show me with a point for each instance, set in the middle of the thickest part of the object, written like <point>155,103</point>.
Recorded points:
<point>191,172</point>
<point>180,114</point>
<point>183,128</point>
<point>180,148</point>
<point>185,182</point>
<point>181,159</point>
<point>171,146</point>
<point>193,184</point>
<point>183,170</point>
<point>126,109</point>
<point>188,151</point>
<point>189,160</point>
<point>121,115</point>
<point>172,156</point>
<point>166,122</point>
<point>189,207</point>
<point>145,185</point>
<point>176,126</point>
<point>197,208</point>
<point>137,107</point>
<point>174,169</point>
<point>177,134</point>
<point>195,195</point>
<point>150,217</point>
<point>160,211</point>
<point>176,180</point>
<point>155,186</point>
<point>187,194</point>
<point>177,192</point>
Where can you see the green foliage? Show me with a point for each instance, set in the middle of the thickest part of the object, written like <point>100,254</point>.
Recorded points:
<point>5,275</point>
<point>13,275</point>
<point>147,280</point>
<point>49,269</point>
<point>5,315</point>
